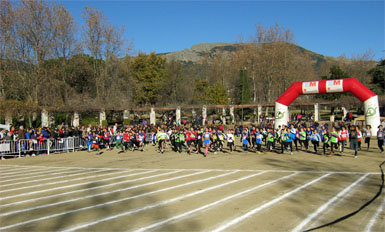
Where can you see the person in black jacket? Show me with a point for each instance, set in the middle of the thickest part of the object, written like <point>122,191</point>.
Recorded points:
<point>354,140</point>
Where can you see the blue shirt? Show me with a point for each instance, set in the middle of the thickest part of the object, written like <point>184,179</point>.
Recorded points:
<point>45,133</point>
<point>27,135</point>
<point>244,139</point>
<point>288,137</point>
<point>315,137</point>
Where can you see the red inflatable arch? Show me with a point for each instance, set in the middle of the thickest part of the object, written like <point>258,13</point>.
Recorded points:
<point>351,85</point>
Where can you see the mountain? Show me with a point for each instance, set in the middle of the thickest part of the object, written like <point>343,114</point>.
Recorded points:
<point>198,51</point>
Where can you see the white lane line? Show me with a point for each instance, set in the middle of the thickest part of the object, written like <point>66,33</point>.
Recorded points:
<point>374,219</point>
<point>105,193</point>
<point>4,166</point>
<point>332,207</point>
<point>27,175</point>
<point>67,174</point>
<point>7,169</point>
<point>36,166</point>
<point>12,167</point>
<point>228,170</point>
<point>268,204</point>
<point>326,205</point>
<point>45,173</point>
<point>68,186</point>
<point>223,200</point>
<point>58,182</point>
<point>121,200</point>
<point>23,172</point>
<point>155,204</point>
<point>87,189</point>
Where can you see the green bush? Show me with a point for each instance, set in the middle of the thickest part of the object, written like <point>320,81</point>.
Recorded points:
<point>126,121</point>
<point>60,118</point>
<point>89,120</point>
<point>104,123</point>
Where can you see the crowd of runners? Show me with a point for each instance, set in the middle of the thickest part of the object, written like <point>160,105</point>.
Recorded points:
<point>319,139</point>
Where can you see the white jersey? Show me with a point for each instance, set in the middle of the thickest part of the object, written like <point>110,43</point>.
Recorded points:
<point>230,138</point>
<point>162,136</point>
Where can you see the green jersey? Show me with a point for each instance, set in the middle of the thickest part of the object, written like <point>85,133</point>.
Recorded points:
<point>334,137</point>
<point>302,135</point>
<point>326,138</point>
<point>177,138</point>
<point>182,137</point>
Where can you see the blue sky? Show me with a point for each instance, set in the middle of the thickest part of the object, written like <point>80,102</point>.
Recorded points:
<point>330,28</point>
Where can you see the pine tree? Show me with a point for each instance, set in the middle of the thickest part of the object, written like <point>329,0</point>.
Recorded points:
<point>244,88</point>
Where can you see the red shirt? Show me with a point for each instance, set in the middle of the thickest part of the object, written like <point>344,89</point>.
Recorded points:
<point>194,135</point>
<point>188,136</point>
<point>126,137</point>
<point>41,139</point>
<point>343,135</point>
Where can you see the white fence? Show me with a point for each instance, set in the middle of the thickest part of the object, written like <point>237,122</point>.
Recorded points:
<point>24,147</point>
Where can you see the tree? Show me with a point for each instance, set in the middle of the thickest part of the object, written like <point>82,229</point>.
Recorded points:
<point>378,77</point>
<point>104,42</point>
<point>200,91</point>
<point>176,87</point>
<point>29,33</point>
<point>244,88</point>
<point>148,72</point>
<point>217,95</point>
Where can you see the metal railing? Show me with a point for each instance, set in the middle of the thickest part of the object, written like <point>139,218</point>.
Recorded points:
<point>24,147</point>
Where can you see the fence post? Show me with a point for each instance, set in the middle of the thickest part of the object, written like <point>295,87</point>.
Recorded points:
<point>19,149</point>
<point>48,145</point>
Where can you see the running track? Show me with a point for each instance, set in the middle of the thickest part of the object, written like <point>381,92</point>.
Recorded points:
<point>38,198</point>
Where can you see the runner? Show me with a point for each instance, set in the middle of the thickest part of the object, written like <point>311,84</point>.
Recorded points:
<point>359,135</point>
<point>367,135</point>
<point>354,140</point>
<point>182,140</point>
<point>118,142</point>
<point>343,136</point>
<point>333,140</point>
<point>325,140</point>
<point>206,140</point>
<point>161,138</point>
<point>198,141</point>
<point>230,140</point>
<point>270,140</point>
<point>315,139</point>
<point>245,141</point>
<point>302,139</point>
<point>258,140</point>
<point>294,136</point>
<point>221,140</point>
<point>380,138</point>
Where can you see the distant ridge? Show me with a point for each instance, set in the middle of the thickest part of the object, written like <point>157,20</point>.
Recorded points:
<point>198,51</point>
